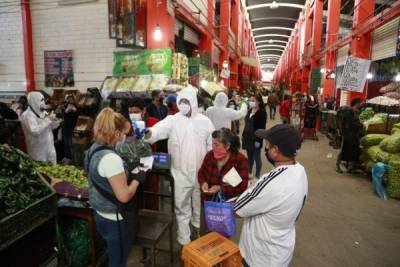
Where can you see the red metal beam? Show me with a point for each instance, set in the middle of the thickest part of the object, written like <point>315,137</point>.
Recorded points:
<point>28,48</point>
<point>371,24</point>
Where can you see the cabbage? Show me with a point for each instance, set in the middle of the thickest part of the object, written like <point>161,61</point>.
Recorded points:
<point>372,139</point>
<point>132,150</point>
<point>391,143</point>
<point>378,155</point>
<point>367,114</point>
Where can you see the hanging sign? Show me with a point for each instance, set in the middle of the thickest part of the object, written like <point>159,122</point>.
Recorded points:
<point>58,68</point>
<point>354,74</point>
<point>225,73</point>
<point>152,61</point>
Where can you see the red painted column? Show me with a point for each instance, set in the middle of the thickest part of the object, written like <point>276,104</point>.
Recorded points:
<point>361,45</point>
<point>235,29</point>
<point>28,45</point>
<point>307,41</point>
<point>157,14</point>
<point>317,31</point>
<point>332,30</point>
<point>225,17</point>
<point>206,41</point>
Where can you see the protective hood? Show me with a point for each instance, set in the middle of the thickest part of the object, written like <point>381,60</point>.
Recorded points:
<point>35,101</point>
<point>221,100</point>
<point>190,94</point>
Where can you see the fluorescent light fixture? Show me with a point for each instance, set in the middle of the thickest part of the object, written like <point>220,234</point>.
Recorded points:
<point>274,4</point>
<point>270,41</point>
<point>270,49</point>
<point>203,83</point>
<point>272,28</point>
<point>397,78</point>
<point>370,76</point>
<point>273,45</point>
<point>271,35</point>
<point>157,35</point>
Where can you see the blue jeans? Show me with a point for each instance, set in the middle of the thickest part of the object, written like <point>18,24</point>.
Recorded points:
<point>254,154</point>
<point>118,243</point>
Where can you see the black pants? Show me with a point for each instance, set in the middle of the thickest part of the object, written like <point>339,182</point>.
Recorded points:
<point>272,111</point>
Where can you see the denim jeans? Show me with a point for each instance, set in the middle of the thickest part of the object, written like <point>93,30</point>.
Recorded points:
<point>272,111</point>
<point>118,243</point>
<point>254,155</point>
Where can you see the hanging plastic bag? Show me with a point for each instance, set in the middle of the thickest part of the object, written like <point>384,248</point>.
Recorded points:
<point>219,216</point>
<point>378,172</point>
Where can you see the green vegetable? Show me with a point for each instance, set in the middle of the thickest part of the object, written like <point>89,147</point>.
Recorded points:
<point>20,184</point>
<point>391,144</point>
<point>69,174</point>
<point>131,152</point>
<point>367,114</point>
<point>372,139</point>
<point>368,167</point>
<point>393,181</point>
<point>378,118</point>
<point>378,155</point>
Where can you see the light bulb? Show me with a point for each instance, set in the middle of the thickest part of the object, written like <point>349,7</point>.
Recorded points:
<point>222,82</point>
<point>322,70</point>
<point>397,78</point>
<point>370,76</point>
<point>203,83</point>
<point>274,5</point>
<point>271,41</point>
<point>157,33</point>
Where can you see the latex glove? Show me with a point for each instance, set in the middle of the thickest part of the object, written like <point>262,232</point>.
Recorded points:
<point>147,133</point>
<point>141,176</point>
<point>257,144</point>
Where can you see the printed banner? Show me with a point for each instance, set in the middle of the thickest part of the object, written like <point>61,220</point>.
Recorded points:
<point>355,74</point>
<point>154,61</point>
<point>58,68</point>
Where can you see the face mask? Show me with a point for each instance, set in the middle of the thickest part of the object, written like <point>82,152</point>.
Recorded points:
<point>252,104</point>
<point>219,152</point>
<point>184,109</point>
<point>201,109</point>
<point>270,160</point>
<point>135,116</point>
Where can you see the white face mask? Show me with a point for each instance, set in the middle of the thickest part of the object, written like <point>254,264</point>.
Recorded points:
<point>252,104</point>
<point>184,109</point>
<point>201,109</point>
<point>135,116</point>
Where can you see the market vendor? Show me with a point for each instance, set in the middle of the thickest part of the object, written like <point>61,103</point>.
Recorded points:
<point>70,114</point>
<point>38,129</point>
<point>109,188</point>
<point>156,108</point>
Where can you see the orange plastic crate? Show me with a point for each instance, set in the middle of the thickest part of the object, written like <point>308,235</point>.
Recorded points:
<point>210,250</point>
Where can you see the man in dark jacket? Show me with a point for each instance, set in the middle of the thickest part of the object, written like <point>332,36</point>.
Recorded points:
<point>350,131</point>
<point>156,109</point>
<point>6,113</point>
<point>71,114</point>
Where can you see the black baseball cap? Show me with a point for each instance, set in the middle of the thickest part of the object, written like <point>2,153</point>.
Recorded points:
<point>284,136</point>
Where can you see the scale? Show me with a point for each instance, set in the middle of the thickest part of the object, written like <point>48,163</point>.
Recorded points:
<point>162,161</point>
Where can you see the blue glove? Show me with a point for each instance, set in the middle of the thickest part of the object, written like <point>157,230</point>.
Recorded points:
<point>257,144</point>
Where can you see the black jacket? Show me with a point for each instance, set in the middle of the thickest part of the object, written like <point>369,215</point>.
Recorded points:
<point>157,112</point>
<point>257,121</point>
<point>70,120</point>
<point>9,114</point>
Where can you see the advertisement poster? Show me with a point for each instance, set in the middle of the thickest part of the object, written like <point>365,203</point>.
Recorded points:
<point>58,68</point>
<point>153,61</point>
<point>354,74</point>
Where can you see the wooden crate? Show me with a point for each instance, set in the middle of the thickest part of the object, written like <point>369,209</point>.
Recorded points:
<point>210,250</point>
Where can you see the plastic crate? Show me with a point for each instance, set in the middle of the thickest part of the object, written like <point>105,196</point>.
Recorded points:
<point>23,222</point>
<point>210,250</point>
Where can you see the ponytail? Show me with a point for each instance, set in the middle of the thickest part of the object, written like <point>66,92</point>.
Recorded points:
<point>106,124</point>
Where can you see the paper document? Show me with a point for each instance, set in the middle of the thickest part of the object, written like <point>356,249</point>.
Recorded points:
<point>147,162</point>
<point>232,178</point>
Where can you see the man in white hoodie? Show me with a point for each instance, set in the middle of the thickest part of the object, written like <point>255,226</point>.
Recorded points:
<point>221,116</point>
<point>189,139</point>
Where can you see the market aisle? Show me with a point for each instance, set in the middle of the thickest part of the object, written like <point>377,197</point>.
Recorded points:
<point>341,210</point>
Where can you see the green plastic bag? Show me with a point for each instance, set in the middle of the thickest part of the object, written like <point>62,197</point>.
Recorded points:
<point>393,181</point>
<point>76,241</point>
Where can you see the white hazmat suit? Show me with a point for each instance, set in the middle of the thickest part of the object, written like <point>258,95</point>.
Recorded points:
<point>221,116</point>
<point>189,139</point>
<point>38,130</point>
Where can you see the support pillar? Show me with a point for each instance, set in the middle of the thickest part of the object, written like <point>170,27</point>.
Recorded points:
<point>206,42</point>
<point>316,32</point>
<point>28,47</point>
<point>361,45</point>
<point>157,14</point>
<point>235,29</point>
<point>332,30</point>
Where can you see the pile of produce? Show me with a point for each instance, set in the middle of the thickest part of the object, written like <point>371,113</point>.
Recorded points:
<point>126,85</point>
<point>393,181</point>
<point>384,101</point>
<point>20,184</point>
<point>391,87</point>
<point>66,173</point>
<point>366,114</point>
<point>378,119</point>
<point>131,152</point>
<point>372,139</point>
<point>142,84</point>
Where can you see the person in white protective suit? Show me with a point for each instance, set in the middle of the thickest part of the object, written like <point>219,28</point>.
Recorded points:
<point>221,116</point>
<point>38,129</point>
<point>189,139</point>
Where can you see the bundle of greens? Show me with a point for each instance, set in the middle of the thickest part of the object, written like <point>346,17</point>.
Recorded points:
<point>69,174</point>
<point>20,184</point>
<point>131,152</point>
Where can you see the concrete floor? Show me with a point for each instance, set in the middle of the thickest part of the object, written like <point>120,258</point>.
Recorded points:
<point>343,222</point>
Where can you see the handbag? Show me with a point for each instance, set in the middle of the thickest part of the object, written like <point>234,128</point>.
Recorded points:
<point>219,216</point>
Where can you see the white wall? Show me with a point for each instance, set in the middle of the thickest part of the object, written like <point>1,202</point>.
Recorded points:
<point>81,28</point>
<point>12,66</point>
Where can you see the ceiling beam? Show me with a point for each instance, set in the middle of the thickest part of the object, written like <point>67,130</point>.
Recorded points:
<point>271,41</point>
<point>274,5</point>
<point>271,45</point>
<point>272,28</point>
<point>270,49</point>
<point>273,18</point>
<point>271,35</point>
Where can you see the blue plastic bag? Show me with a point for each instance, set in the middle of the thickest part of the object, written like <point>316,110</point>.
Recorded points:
<point>378,172</point>
<point>219,216</point>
